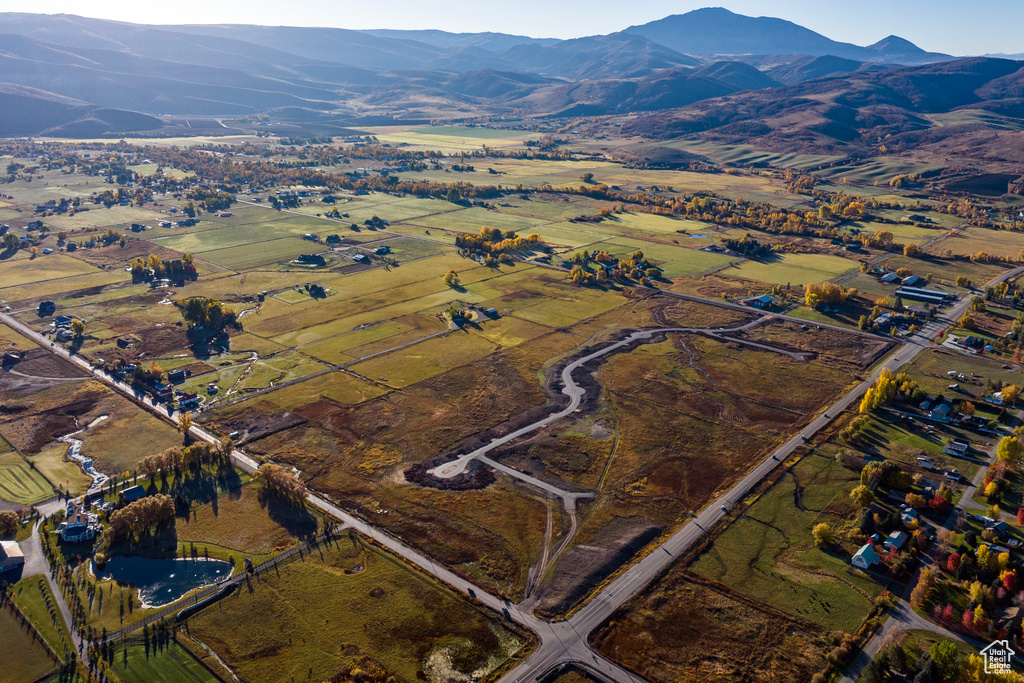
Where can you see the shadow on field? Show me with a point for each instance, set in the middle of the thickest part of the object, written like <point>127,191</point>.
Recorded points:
<point>296,519</point>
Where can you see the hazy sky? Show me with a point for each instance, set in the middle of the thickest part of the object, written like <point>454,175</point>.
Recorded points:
<point>960,27</point>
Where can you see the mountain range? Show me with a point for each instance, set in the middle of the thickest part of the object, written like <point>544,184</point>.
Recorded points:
<point>114,77</point>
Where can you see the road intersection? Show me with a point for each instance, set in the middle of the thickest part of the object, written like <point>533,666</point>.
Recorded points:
<point>566,641</point>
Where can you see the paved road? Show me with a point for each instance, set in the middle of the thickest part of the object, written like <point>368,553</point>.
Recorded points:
<point>575,393</point>
<point>36,563</point>
<point>903,615</point>
<point>630,582</point>
<point>249,464</point>
<point>567,640</point>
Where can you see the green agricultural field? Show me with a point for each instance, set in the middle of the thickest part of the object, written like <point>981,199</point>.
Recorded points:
<point>768,553</point>
<point>240,522</point>
<point>946,272</point>
<point>746,155</point>
<point>25,271</point>
<point>9,339</point>
<point>796,269</point>
<point>60,471</point>
<point>249,256</point>
<point>348,604</point>
<point>334,386</point>
<point>36,601</point>
<point>119,443</point>
<point>906,233</point>
<point>33,660</point>
<point>19,483</point>
<point>674,261</point>
<point>1007,243</point>
<point>54,287</point>
<point>100,217</point>
<point>472,219</point>
<point>420,361</point>
<point>576,235</point>
<point>167,662</point>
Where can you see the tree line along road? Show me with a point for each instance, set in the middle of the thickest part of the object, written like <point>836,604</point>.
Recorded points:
<point>566,641</point>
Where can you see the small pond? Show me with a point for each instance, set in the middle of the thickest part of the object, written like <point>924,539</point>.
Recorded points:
<point>162,581</point>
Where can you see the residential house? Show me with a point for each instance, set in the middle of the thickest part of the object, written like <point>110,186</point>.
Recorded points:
<point>361,258</point>
<point>895,540</point>
<point>941,412</point>
<point>178,376</point>
<point>80,524</point>
<point>188,401</point>
<point>132,494</point>
<point>382,250</point>
<point>311,260</point>
<point>908,515</point>
<point>763,301</point>
<point>865,558</point>
<point>957,448</point>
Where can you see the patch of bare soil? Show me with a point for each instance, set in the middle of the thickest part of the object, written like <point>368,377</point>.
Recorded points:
<point>198,368</point>
<point>826,342</point>
<point>42,363</point>
<point>157,341</point>
<point>255,426</point>
<point>584,567</point>
<point>32,416</point>
<point>682,629</point>
<point>116,256</point>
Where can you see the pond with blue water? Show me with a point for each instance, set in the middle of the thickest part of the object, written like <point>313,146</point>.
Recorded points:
<point>162,581</point>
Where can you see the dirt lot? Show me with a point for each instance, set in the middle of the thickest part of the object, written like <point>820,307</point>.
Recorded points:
<point>584,567</point>
<point>116,256</point>
<point>849,349</point>
<point>43,364</point>
<point>680,630</point>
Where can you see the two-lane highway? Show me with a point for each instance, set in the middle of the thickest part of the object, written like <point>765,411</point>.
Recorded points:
<point>567,640</point>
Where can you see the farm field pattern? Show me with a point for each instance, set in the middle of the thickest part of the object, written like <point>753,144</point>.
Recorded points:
<point>372,351</point>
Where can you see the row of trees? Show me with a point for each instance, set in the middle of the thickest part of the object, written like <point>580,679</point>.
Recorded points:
<point>138,517</point>
<point>153,267</point>
<point>200,311</point>
<point>275,481</point>
<point>494,241</point>
<point>176,459</point>
<point>827,294</point>
<point>886,389</point>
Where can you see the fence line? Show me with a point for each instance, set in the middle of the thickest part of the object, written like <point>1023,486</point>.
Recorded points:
<point>208,591</point>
